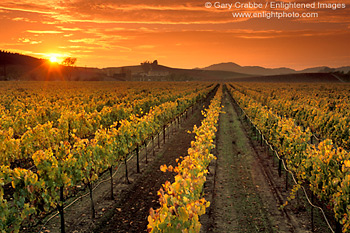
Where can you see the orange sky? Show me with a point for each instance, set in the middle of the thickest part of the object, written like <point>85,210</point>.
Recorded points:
<point>186,34</point>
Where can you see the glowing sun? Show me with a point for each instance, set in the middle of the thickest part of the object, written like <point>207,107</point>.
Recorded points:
<point>53,59</point>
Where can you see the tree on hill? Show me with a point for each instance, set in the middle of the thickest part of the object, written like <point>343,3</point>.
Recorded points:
<point>69,62</point>
<point>148,66</point>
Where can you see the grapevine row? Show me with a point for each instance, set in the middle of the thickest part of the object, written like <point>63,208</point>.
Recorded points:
<point>31,105</point>
<point>181,202</point>
<point>327,116</point>
<point>325,168</point>
<point>82,124</point>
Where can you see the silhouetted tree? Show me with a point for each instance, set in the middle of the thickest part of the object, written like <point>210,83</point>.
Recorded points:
<point>69,62</point>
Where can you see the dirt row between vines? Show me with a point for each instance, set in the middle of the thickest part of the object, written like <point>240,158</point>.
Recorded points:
<point>130,209</point>
<point>244,187</point>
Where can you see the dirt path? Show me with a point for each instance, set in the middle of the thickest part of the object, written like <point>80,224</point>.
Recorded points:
<point>242,199</point>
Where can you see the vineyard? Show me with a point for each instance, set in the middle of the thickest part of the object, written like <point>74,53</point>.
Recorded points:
<point>56,138</point>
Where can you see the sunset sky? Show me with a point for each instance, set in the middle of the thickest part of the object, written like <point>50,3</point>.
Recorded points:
<point>178,33</point>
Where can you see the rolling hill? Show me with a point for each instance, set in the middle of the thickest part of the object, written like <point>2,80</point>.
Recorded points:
<point>296,78</point>
<point>156,72</point>
<point>261,71</point>
<point>252,70</point>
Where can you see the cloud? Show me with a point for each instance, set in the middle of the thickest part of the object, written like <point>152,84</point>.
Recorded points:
<point>27,40</point>
<point>31,10</point>
<point>142,7</point>
<point>51,22</point>
<point>69,29</point>
<point>145,47</point>
<point>122,48</point>
<point>98,43</point>
<point>84,40</point>
<point>44,32</point>
<point>164,12</point>
<point>150,13</point>
<point>167,12</point>
<point>24,20</point>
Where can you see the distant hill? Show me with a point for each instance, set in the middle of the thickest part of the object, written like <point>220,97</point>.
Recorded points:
<point>295,78</point>
<point>15,66</point>
<point>313,69</point>
<point>155,72</point>
<point>252,70</point>
<point>8,58</point>
<point>261,71</point>
<point>345,69</point>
